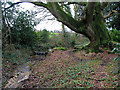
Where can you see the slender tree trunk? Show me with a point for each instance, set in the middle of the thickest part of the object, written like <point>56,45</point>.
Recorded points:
<point>76,10</point>
<point>63,30</point>
<point>63,26</point>
<point>76,16</point>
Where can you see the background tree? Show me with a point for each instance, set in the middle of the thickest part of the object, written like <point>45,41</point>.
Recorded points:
<point>44,36</point>
<point>21,25</point>
<point>0,45</point>
<point>23,28</point>
<point>65,35</point>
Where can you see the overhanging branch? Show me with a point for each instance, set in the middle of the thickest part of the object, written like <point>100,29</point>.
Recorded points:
<point>12,5</point>
<point>39,4</point>
<point>35,3</point>
<point>63,17</point>
<point>60,15</point>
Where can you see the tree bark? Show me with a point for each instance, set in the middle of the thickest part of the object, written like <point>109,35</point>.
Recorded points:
<point>96,28</point>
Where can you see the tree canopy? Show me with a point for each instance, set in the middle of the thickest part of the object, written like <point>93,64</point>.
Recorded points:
<point>90,20</point>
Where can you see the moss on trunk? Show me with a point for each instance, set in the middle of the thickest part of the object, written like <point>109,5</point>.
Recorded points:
<point>97,31</point>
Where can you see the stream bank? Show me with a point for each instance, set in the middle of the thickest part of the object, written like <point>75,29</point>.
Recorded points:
<point>23,71</point>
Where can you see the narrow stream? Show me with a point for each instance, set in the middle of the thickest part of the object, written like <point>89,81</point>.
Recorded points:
<point>23,71</point>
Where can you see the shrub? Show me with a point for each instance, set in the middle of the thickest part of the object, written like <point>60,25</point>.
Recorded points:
<point>16,54</point>
<point>115,35</point>
<point>43,36</point>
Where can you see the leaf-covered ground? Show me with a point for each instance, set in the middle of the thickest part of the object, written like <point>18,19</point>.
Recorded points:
<point>66,69</point>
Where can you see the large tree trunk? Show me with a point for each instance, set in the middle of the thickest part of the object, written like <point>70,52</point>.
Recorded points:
<point>95,28</point>
<point>98,36</point>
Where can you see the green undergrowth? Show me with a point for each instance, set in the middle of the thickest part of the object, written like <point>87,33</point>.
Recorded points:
<point>76,76</point>
<point>59,48</point>
<point>16,55</point>
<point>112,68</point>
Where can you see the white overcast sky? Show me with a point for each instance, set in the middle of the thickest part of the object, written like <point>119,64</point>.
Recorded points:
<point>51,25</point>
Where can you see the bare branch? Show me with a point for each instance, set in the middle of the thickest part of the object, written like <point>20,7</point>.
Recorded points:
<point>109,14</point>
<point>52,18</point>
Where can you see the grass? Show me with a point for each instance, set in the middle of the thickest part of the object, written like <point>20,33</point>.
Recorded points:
<point>112,67</point>
<point>52,34</point>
